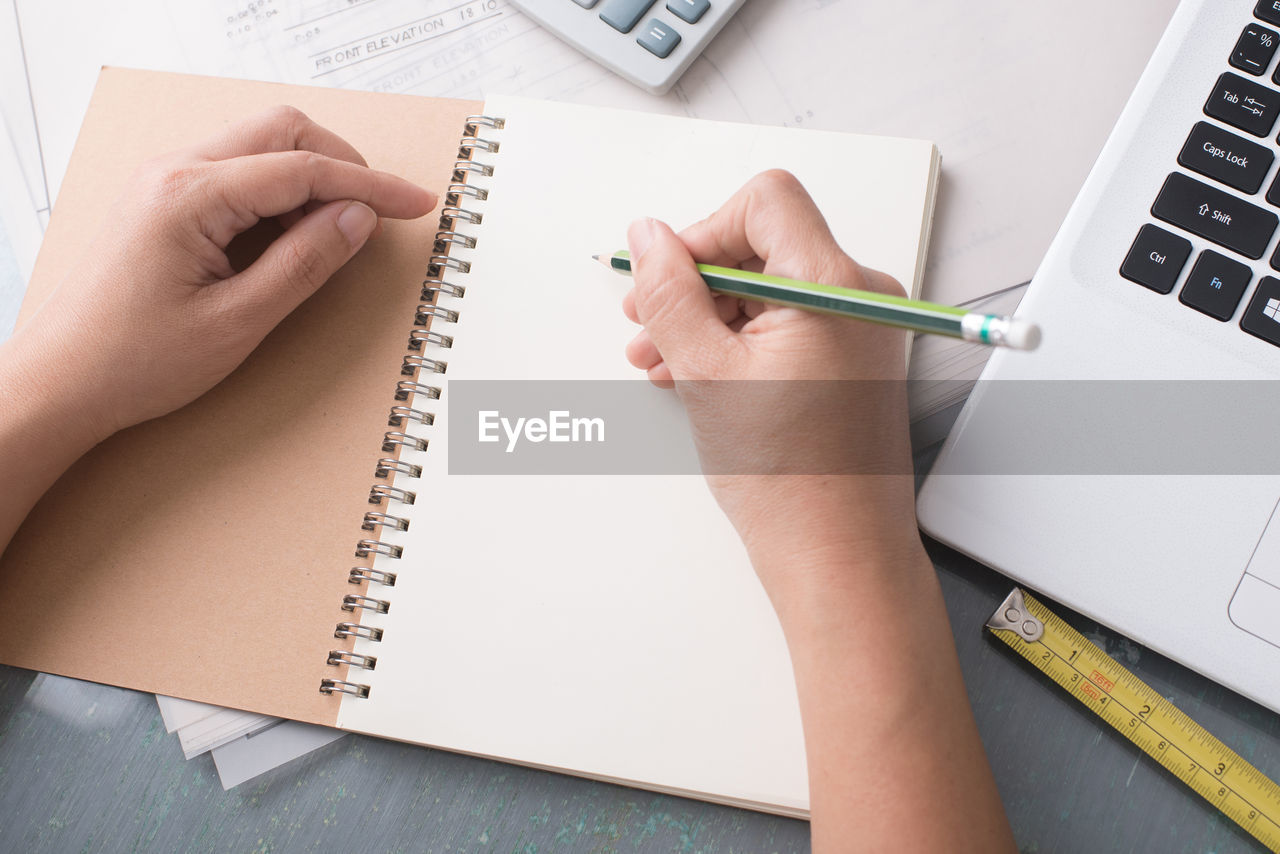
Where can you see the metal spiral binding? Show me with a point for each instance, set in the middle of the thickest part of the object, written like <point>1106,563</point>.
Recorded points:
<point>431,289</point>
<point>341,656</point>
<point>354,600</point>
<point>429,344</point>
<point>405,388</point>
<point>362,574</point>
<point>396,523</point>
<point>413,364</point>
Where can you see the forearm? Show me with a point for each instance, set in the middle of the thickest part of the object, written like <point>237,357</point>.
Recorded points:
<point>41,433</point>
<point>895,762</point>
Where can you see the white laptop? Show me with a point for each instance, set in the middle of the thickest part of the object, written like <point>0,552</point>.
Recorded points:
<point>1130,467</point>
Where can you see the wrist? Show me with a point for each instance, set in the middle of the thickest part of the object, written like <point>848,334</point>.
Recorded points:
<point>840,515</point>
<point>42,380</point>
<point>819,540</point>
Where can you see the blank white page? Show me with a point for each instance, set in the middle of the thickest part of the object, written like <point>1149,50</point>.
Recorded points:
<point>610,626</point>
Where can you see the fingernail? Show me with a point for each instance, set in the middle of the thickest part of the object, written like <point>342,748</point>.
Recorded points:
<point>356,222</point>
<point>640,236</point>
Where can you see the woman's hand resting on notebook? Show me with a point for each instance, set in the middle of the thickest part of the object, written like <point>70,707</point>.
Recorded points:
<point>801,425</point>
<point>158,305</point>
<point>155,314</point>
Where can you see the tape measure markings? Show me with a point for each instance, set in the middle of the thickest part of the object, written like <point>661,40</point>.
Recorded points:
<point>1142,715</point>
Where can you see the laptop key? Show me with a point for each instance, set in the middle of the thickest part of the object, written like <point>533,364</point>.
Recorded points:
<point>1156,258</point>
<point>1215,215</point>
<point>1262,317</point>
<point>1215,285</point>
<point>1244,104</point>
<point>1254,49</point>
<point>1231,159</point>
<point>1268,10</point>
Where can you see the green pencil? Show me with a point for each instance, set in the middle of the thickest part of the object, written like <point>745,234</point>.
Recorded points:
<point>917,315</point>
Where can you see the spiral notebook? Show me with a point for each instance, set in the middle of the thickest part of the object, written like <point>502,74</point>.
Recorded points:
<point>247,550</point>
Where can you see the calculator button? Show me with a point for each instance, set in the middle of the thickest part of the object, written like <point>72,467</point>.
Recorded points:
<point>690,11</point>
<point>1253,50</point>
<point>1268,10</point>
<point>586,4</point>
<point>1156,258</point>
<point>623,15</point>
<point>1215,215</point>
<point>1233,160</point>
<point>658,38</point>
<point>1244,104</point>
<point>1215,285</point>
<point>1262,317</point>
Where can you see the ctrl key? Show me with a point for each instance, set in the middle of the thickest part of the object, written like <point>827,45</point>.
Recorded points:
<point>1156,259</point>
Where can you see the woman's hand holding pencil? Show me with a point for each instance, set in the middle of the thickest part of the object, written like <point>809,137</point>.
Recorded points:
<point>774,389</point>
<point>818,402</point>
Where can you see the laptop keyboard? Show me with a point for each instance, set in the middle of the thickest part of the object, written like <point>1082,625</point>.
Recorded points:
<point>1226,163</point>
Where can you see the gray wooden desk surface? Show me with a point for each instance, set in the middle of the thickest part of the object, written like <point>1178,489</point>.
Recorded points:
<point>85,767</point>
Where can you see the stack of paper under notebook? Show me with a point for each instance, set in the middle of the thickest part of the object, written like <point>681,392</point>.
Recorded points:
<point>243,745</point>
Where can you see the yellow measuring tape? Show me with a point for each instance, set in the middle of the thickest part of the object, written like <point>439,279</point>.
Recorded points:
<point>1141,715</point>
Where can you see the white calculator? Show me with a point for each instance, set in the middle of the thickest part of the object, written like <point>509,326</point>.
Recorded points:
<point>648,42</point>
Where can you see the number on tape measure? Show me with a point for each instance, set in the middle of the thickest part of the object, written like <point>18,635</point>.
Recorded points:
<point>1243,793</point>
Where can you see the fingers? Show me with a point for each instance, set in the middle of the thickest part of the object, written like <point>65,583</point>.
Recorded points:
<point>660,375</point>
<point>671,299</point>
<point>291,218</point>
<point>251,188</point>
<point>729,308</point>
<point>642,352</point>
<point>296,264</point>
<point>774,219</point>
<point>280,128</point>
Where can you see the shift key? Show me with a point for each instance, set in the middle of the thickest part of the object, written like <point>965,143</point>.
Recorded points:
<point>1215,215</point>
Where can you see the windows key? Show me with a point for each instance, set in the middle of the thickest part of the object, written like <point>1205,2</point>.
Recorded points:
<point>1262,317</point>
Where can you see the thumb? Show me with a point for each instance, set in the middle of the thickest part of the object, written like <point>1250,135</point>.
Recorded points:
<point>302,259</point>
<point>672,301</point>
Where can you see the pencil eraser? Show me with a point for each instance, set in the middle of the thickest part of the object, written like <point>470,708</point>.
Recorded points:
<point>1022,335</point>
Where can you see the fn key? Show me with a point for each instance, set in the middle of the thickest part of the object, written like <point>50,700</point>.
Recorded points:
<point>1156,258</point>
